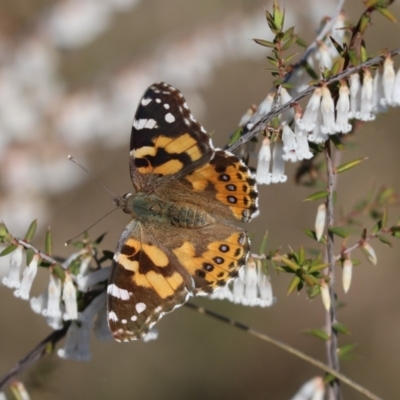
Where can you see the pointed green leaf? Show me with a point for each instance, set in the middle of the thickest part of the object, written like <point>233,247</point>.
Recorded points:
<point>59,271</point>
<point>300,42</point>
<point>288,34</point>
<point>263,246</point>
<point>29,255</point>
<point>310,280</point>
<point>48,245</point>
<point>274,62</point>
<point>236,136</point>
<point>345,351</point>
<point>100,239</point>
<point>288,43</point>
<point>384,217</point>
<point>318,333</point>
<point>9,249</point>
<point>395,231</point>
<point>387,14</point>
<point>353,57</point>
<point>289,263</point>
<point>341,232</point>
<point>3,230</point>
<point>31,231</point>
<point>318,267</point>
<point>317,195</point>
<point>349,165</point>
<point>341,328</point>
<point>335,139</point>
<point>301,255</point>
<point>384,240</point>
<point>264,43</point>
<point>293,284</point>
<point>376,228</point>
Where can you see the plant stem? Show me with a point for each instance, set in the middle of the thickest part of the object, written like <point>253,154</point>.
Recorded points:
<point>332,343</point>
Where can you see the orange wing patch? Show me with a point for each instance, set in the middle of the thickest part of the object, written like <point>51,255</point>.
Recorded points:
<point>218,264</point>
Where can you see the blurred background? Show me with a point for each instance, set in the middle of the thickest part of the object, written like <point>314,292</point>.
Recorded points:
<point>71,74</point>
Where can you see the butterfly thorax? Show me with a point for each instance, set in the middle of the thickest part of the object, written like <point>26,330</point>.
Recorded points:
<point>150,208</point>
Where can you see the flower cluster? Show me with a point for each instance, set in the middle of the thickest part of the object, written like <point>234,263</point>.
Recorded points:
<point>251,288</point>
<point>361,98</point>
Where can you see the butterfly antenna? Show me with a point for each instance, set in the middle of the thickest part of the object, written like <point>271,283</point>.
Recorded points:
<point>68,242</point>
<point>92,176</point>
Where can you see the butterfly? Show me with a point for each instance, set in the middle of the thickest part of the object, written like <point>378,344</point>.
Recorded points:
<point>181,240</point>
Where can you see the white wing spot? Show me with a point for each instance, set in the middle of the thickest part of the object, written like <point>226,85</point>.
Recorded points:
<point>202,129</point>
<point>158,101</point>
<point>186,121</point>
<point>150,124</point>
<point>157,91</point>
<point>124,321</point>
<point>112,316</point>
<point>185,105</point>
<point>169,118</point>
<point>133,318</point>
<point>192,118</point>
<point>146,101</point>
<point>140,307</point>
<point>166,106</point>
<point>117,292</point>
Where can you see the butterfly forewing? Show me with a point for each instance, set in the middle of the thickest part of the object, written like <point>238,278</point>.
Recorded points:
<point>166,140</point>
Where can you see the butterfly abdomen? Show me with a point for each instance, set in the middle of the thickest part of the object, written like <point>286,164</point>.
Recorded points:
<point>188,215</point>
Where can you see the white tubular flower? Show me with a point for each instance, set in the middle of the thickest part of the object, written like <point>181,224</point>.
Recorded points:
<point>324,56</point>
<point>327,112</point>
<point>378,95</point>
<point>317,136</point>
<point>320,221</point>
<point>278,163</point>
<point>93,308</point>
<point>54,300</point>
<point>264,108</point>
<point>27,279</point>
<point>223,293</point>
<point>38,304</point>
<point>314,389</point>
<point>342,109</point>
<point>388,78</point>
<point>303,149</point>
<point>289,144</point>
<point>77,343</point>
<point>347,274</point>
<point>151,335</point>
<point>19,391</point>
<point>370,253</point>
<point>287,115</point>
<point>55,322</point>
<point>263,176</point>
<point>13,278</point>
<point>88,281</point>
<point>69,298</point>
<point>100,327</point>
<point>355,96</point>
<point>252,287</point>
<point>367,101</point>
<point>310,114</point>
<point>326,298</point>
<point>246,117</point>
<point>396,90</point>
